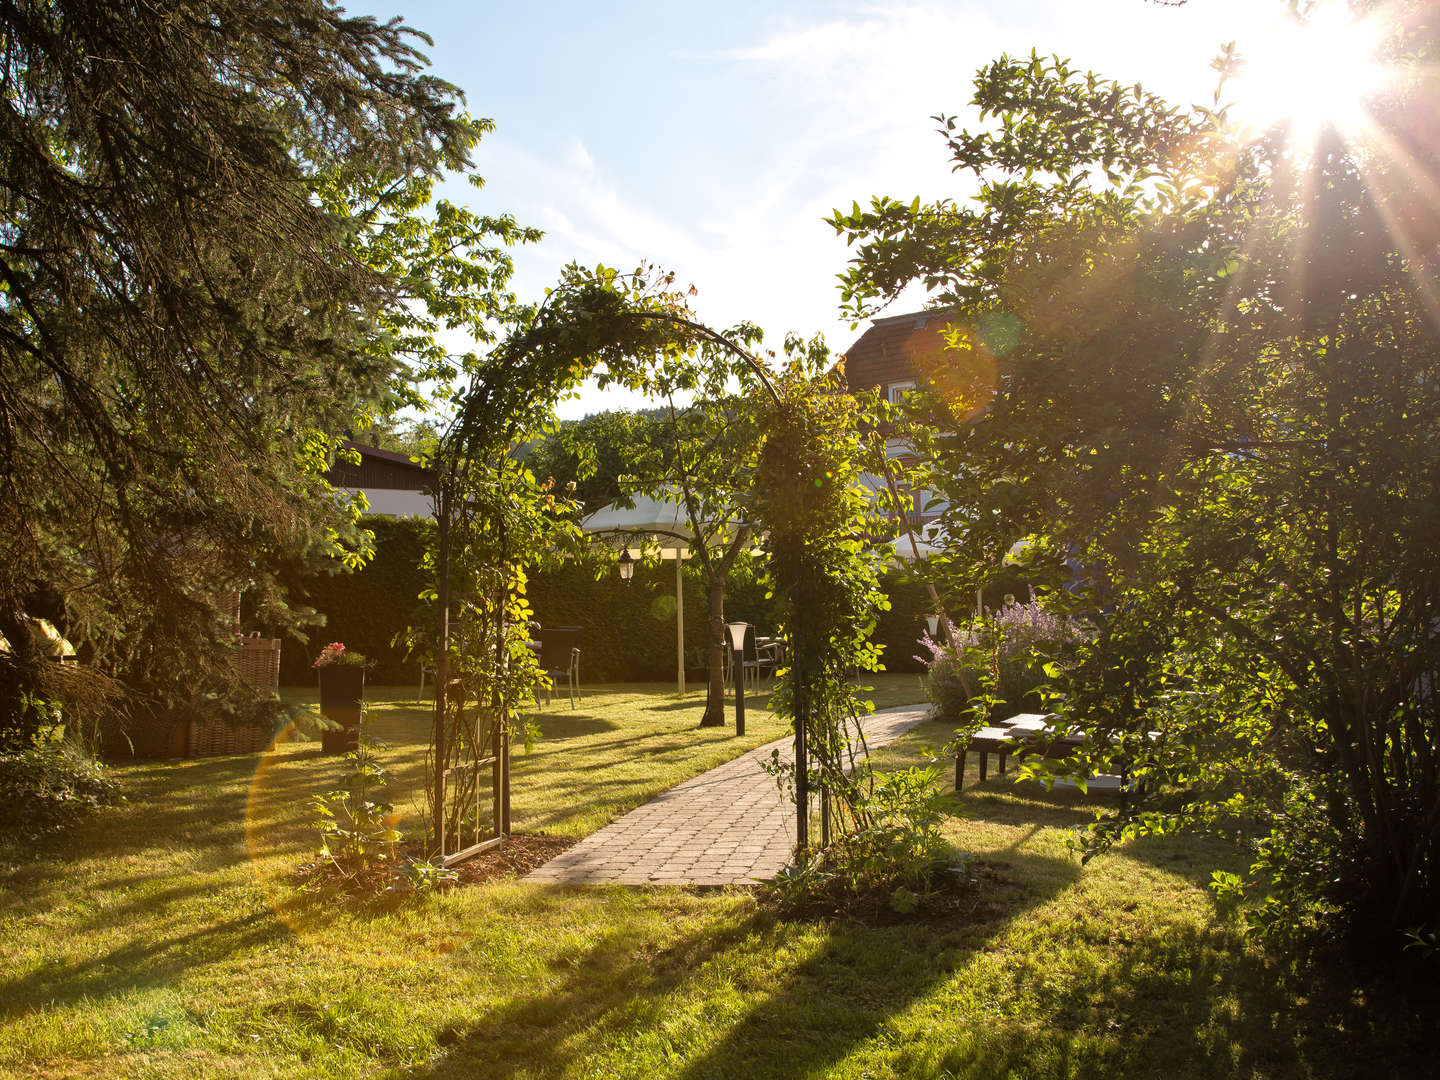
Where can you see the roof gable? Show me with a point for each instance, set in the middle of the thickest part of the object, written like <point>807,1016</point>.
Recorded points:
<point>378,469</point>
<point>895,348</point>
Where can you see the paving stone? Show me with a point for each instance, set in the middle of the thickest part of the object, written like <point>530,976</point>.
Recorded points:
<point>729,826</point>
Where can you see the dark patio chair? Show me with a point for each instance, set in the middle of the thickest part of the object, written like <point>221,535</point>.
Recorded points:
<point>559,649</point>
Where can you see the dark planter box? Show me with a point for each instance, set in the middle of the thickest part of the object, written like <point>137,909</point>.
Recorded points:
<point>342,693</point>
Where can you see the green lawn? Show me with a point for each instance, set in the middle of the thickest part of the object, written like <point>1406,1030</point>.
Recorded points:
<point>621,746</point>
<point>164,940</point>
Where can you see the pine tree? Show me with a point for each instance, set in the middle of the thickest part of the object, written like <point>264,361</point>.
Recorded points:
<point>189,312</point>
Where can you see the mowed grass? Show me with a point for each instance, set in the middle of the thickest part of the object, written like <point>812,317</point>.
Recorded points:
<point>618,747</point>
<point>165,939</point>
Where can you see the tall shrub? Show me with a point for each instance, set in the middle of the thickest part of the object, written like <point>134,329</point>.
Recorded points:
<point>1000,655</point>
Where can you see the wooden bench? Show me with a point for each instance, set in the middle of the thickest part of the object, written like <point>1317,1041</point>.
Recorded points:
<point>986,741</point>
<point>1033,733</point>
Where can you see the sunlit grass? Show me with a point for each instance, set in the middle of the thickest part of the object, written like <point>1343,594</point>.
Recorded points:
<point>621,745</point>
<point>152,944</point>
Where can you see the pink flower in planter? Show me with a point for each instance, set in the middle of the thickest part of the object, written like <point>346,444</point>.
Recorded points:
<point>336,654</point>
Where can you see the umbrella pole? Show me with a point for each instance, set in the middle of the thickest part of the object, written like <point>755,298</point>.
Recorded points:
<point>679,623</point>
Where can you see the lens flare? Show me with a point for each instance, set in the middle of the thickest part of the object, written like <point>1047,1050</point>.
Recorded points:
<point>281,777</point>
<point>957,365</point>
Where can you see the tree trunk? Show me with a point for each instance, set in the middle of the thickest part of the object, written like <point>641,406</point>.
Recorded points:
<point>715,639</point>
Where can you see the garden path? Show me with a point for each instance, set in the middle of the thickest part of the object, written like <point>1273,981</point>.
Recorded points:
<point>729,826</point>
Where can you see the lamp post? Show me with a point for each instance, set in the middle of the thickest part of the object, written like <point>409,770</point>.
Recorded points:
<point>627,566</point>
<point>933,622</point>
<point>737,651</point>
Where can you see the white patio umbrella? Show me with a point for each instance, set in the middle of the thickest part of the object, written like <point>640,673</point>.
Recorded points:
<point>667,522</point>
<point>648,515</point>
<point>904,552</point>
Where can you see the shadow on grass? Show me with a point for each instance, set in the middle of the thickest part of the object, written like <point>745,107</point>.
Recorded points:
<point>679,742</point>
<point>1195,1002</point>
<point>755,701</point>
<point>151,813</point>
<point>999,801</point>
<point>137,964</point>
<point>558,727</point>
<point>798,1020</point>
<point>1028,804</point>
<point>1192,858</point>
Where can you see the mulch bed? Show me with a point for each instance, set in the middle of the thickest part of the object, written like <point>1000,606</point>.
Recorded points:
<point>521,853</point>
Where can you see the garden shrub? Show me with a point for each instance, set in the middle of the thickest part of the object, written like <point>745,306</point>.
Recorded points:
<point>898,841</point>
<point>49,784</point>
<point>48,779</point>
<point>895,860</point>
<point>949,684</point>
<point>361,850</point>
<point>1000,656</point>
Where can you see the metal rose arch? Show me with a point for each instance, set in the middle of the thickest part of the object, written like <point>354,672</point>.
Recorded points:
<point>493,516</point>
<point>636,330</point>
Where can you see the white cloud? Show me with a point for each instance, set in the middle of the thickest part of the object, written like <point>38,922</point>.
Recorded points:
<point>579,159</point>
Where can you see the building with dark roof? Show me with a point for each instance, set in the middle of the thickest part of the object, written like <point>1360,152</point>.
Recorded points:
<point>895,355</point>
<point>896,352</point>
<point>393,484</point>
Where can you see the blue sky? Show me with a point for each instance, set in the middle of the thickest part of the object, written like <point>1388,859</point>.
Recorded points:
<point>713,140</point>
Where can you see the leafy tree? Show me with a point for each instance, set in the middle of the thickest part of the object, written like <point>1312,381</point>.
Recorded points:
<point>703,457</point>
<point>209,220</point>
<point>700,455</point>
<point>698,450</point>
<point>1203,365</point>
<point>450,270</point>
<point>587,458</point>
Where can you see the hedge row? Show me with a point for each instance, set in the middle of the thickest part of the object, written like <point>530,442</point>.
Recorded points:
<point>629,631</point>
<point>899,629</point>
<point>366,609</point>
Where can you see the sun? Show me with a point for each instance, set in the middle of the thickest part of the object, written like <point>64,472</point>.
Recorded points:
<point>1310,73</point>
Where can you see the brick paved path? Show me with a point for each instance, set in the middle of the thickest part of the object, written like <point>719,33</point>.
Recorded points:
<point>728,826</point>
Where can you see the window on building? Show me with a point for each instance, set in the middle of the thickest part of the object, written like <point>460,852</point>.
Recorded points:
<point>896,391</point>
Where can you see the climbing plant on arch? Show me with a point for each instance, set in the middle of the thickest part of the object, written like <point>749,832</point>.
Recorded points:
<point>824,573</point>
<point>495,516</point>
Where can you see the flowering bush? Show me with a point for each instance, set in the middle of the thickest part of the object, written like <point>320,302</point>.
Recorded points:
<point>1001,653</point>
<point>336,655</point>
<point>949,684</point>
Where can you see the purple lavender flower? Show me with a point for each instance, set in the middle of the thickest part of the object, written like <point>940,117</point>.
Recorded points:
<point>1010,643</point>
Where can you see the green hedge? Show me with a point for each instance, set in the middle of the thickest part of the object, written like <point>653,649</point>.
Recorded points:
<point>899,629</point>
<point>367,608</point>
<point>629,631</point>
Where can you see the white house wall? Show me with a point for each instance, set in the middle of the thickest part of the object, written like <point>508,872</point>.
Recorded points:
<point>397,502</point>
